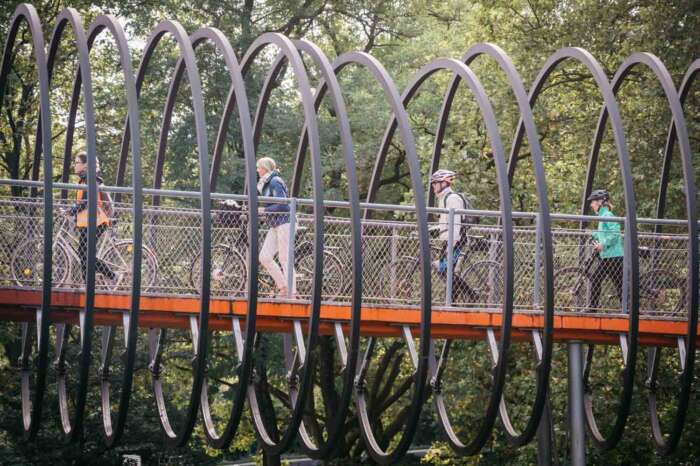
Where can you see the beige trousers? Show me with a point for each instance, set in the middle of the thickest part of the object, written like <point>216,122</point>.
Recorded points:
<point>277,242</point>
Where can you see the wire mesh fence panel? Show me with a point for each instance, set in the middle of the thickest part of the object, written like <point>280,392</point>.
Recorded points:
<point>22,245</point>
<point>390,251</point>
<point>174,234</point>
<point>663,280</point>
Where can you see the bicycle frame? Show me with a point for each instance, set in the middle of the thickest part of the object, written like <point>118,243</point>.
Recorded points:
<point>71,243</point>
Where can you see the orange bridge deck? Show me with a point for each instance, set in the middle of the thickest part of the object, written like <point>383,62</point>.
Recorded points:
<point>174,312</point>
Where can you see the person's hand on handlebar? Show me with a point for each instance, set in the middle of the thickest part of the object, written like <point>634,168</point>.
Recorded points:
<point>231,203</point>
<point>434,231</point>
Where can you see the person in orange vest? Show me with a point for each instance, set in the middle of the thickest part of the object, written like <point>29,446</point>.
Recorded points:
<point>80,211</point>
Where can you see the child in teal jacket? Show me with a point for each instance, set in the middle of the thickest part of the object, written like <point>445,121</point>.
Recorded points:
<point>609,246</point>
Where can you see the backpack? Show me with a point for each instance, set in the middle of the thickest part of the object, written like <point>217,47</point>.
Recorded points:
<point>466,220</point>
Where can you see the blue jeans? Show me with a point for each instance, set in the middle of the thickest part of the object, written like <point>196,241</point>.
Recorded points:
<point>461,291</point>
<point>442,266</point>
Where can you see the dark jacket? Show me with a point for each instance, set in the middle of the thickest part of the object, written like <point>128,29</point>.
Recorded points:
<point>275,187</point>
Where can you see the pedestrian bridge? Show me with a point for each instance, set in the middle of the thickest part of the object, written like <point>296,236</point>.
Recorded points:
<point>186,263</point>
<point>391,287</point>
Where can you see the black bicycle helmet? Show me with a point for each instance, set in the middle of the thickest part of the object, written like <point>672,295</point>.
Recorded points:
<point>598,194</point>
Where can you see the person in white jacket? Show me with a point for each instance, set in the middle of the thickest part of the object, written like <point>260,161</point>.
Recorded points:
<point>441,184</point>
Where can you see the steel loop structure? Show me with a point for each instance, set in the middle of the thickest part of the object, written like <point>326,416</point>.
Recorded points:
<point>41,305</point>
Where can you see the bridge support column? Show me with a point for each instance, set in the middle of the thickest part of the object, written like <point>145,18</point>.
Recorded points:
<point>577,432</point>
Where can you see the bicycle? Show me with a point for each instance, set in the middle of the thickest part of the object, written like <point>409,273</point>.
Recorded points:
<point>660,289</point>
<point>229,266</point>
<point>27,260</point>
<point>484,277</point>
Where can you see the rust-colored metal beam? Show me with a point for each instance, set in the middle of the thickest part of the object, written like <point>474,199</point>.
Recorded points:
<point>15,304</point>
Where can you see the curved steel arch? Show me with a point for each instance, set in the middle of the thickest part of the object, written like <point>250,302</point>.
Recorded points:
<point>677,132</point>
<point>329,84</point>
<point>32,406</point>
<point>73,428</point>
<point>221,43</point>
<point>631,247</point>
<point>237,90</point>
<point>420,374</point>
<point>679,128</point>
<point>499,372</point>
<point>631,239</point>
<point>688,80</point>
<point>288,49</point>
<point>100,24</point>
<point>173,438</point>
<point>526,126</point>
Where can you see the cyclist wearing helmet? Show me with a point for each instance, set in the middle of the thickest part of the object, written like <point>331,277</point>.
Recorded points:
<point>608,245</point>
<point>441,184</point>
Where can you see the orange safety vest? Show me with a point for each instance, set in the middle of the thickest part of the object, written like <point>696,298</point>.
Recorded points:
<point>81,219</point>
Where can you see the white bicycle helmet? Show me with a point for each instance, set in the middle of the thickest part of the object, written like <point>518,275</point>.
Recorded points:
<point>443,175</point>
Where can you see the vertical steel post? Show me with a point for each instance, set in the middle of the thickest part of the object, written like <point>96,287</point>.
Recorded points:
<point>577,421</point>
<point>495,255</point>
<point>449,255</point>
<point>625,282</point>
<point>394,262</point>
<point>537,294</point>
<point>292,241</point>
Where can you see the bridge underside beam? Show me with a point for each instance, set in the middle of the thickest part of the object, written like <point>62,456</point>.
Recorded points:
<point>18,305</point>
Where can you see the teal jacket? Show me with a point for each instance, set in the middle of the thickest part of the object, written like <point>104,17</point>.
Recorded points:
<point>609,236</point>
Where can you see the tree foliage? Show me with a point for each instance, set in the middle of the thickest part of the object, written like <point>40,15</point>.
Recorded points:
<point>403,36</point>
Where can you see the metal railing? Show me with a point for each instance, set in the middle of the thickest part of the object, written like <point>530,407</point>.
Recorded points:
<point>474,279</point>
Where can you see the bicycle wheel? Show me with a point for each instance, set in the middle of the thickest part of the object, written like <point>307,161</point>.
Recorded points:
<point>400,280</point>
<point>27,264</point>
<point>333,282</point>
<point>662,293</point>
<point>119,257</point>
<point>228,272</point>
<point>332,276</point>
<point>304,274</point>
<point>571,289</point>
<point>484,283</point>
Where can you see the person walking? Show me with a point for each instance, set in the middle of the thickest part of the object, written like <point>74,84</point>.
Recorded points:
<point>276,217</point>
<point>80,212</point>
<point>441,184</point>
<point>608,245</point>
